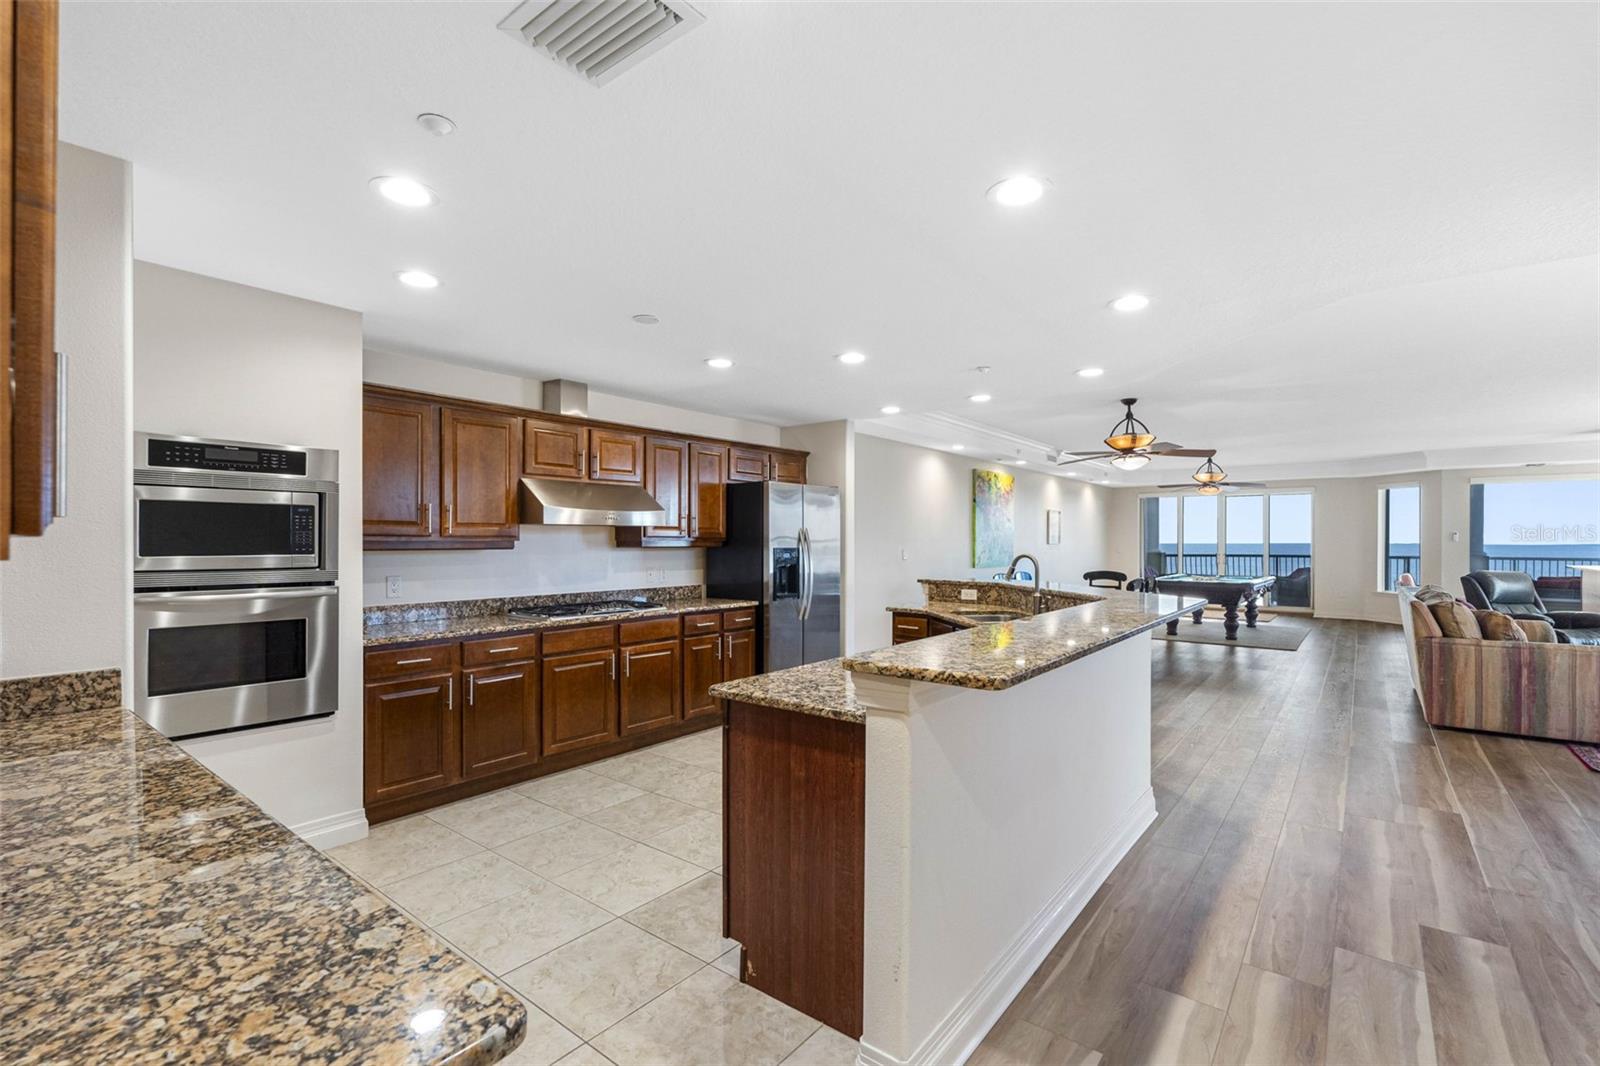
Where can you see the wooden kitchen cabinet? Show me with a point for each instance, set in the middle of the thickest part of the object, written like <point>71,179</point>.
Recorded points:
<point>579,699</point>
<point>788,466</point>
<point>29,434</point>
<point>702,668</point>
<point>749,464</point>
<point>649,694</point>
<point>413,738</point>
<point>479,457</point>
<point>500,722</point>
<point>908,627</point>
<point>400,483</point>
<point>666,477</point>
<point>553,449</point>
<point>616,455</point>
<point>937,628</point>
<point>708,498</point>
<point>738,654</point>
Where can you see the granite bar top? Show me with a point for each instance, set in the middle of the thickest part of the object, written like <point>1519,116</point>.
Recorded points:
<point>152,913</point>
<point>998,655</point>
<point>824,689</point>
<point>460,626</point>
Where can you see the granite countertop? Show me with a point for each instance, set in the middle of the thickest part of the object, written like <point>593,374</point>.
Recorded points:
<point>152,913</point>
<point>461,626</point>
<point>823,689</point>
<point>998,655</point>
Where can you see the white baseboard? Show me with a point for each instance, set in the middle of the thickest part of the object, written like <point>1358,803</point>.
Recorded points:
<point>335,829</point>
<point>969,1021</point>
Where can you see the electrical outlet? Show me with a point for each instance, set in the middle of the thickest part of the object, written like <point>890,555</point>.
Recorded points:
<point>393,586</point>
<point>970,595</point>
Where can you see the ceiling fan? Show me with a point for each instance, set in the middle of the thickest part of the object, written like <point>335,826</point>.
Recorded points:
<point>1212,480</point>
<point>1130,444</point>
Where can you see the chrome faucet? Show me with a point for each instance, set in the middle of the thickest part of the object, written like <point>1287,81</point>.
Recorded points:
<point>1011,573</point>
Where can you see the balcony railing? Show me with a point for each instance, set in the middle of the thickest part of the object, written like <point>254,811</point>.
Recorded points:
<point>1241,564</point>
<point>1402,564</point>
<point>1537,565</point>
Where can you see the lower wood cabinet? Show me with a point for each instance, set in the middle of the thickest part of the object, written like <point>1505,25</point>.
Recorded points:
<point>579,701</point>
<point>413,739</point>
<point>500,722</point>
<point>908,627</point>
<point>702,668</point>
<point>738,654</point>
<point>648,693</point>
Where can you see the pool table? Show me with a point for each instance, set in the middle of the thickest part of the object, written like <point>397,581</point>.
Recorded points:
<point>1225,592</point>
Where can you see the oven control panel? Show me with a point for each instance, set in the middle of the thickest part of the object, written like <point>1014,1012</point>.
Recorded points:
<point>195,455</point>
<point>302,530</point>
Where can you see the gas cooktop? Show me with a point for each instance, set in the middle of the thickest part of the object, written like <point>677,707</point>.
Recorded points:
<point>581,610</point>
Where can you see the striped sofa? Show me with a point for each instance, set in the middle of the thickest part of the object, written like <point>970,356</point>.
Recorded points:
<point>1502,686</point>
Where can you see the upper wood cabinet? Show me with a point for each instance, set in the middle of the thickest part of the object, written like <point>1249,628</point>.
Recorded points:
<point>479,457</point>
<point>787,466</point>
<point>616,455</point>
<point>553,449</point>
<point>748,464</point>
<point>666,477</point>
<point>708,500</point>
<point>30,438</point>
<point>400,459</point>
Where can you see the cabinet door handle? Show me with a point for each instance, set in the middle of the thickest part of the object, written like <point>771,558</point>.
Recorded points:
<point>627,669</point>
<point>613,666</point>
<point>472,685</point>
<point>646,655</point>
<point>413,662</point>
<point>449,693</point>
<point>496,680</point>
<point>445,527</point>
<point>719,651</point>
<point>425,515</point>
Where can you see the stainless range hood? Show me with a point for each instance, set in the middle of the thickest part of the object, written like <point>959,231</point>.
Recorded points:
<point>552,502</point>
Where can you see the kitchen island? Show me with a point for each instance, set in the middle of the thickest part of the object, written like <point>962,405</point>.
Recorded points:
<point>909,830</point>
<point>153,914</point>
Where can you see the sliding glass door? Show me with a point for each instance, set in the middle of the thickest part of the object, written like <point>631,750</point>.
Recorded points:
<point>1240,536</point>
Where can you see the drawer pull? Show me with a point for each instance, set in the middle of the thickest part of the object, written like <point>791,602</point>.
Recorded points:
<point>498,651</point>
<point>702,625</point>
<point>903,625</point>
<point>413,662</point>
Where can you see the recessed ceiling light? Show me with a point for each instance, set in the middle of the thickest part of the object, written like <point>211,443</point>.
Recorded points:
<point>889,409</point>
<point>418,279</point>
<point>435,124</point>
<point>1091,372</point>
<point>1019,190</point>
<point>851,358</point>
<point>404,191</point>
<point>958,447</point>
<point>646,320</point>
<point>980,397</point>
<point>719,362</point>
<point>1105,481</point>
<point>1133,301</point>
<point>1022,462</point>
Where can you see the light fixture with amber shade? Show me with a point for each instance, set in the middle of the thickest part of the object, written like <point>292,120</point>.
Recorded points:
<point>1210,490</point>
<point>1209,474</point>
<point>1130,434</point>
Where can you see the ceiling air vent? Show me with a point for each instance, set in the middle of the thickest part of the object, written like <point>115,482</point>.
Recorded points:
<point>599,39</point>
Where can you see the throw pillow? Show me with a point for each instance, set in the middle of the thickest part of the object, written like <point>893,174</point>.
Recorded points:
<point>1537,630</point>
<point>1456,620</point>
<point>1434,594</point>
<point>1497,626</point>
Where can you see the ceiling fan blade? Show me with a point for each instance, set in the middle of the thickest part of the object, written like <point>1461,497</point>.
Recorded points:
<point>1244,484</point>
<point>1199,453</point>
<point>1082,458</point>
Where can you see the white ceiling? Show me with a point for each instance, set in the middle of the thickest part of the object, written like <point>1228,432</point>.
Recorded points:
<point>1366,229</point>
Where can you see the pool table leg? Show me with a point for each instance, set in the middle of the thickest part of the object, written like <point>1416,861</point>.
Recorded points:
<point>1172,628</point>
<point>1199,613</point>
<point>1252,611</point>
<point>1230,619</point>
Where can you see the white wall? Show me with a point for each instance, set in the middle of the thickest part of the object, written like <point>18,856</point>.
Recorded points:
<point>546,558</point>
<point>216,359</point>
<point>1346,532</point>
<point>918,502</point>
<point>64,597</point>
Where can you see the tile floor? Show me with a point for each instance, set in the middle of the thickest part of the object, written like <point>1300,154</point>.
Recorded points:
<point>596,894</point>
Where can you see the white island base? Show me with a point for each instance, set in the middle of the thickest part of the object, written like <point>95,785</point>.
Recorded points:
<point>991,818</point>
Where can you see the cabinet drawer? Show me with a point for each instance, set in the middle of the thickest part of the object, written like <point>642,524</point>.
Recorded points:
<point>698,625</point>
<point>909,627</point>
<point>499,649</point>
<point>583,638</point>
<point>744,618</point>
<point>403,661</point>
<point>648,629</point>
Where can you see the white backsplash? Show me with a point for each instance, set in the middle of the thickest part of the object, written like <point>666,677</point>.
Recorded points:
<point>546,559</point>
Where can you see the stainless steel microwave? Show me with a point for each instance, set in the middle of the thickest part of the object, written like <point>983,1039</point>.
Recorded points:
<point>216,513</point>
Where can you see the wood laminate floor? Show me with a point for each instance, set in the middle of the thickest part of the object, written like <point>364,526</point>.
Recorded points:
<point>1330,881</point>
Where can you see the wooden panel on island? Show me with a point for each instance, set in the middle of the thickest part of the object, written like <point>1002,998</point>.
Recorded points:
<point>794,858</point>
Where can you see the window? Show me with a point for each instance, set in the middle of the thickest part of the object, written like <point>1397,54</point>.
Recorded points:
<point>1402,534</point>
<point>1541,527</point>
<point>1237,535</point>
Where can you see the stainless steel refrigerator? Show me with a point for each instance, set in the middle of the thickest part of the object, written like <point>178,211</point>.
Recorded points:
<point>783,551</point>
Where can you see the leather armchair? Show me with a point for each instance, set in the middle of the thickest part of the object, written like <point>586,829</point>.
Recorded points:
<point>1512,592</point>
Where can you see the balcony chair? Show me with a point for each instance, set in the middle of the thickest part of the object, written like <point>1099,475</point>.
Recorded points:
<point>1512,592</point>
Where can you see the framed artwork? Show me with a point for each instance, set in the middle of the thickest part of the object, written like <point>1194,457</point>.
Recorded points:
<point>1052,527</point>
<point>994,523</point>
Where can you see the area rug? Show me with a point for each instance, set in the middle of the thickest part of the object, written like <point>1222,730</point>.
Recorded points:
<point>1285,636</point>
<point>1588,754</point>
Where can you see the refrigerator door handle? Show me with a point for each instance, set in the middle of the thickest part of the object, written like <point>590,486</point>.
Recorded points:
<point>806,573</point>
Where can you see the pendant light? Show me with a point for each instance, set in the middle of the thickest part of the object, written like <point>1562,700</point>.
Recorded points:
<point>1209,473</point>
<point>1130,434</point>
<point>1210,490</point>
